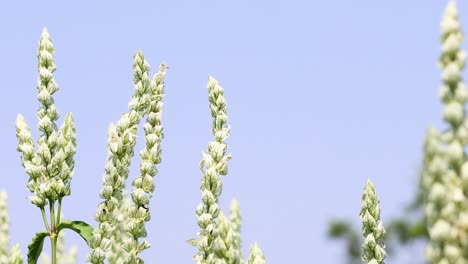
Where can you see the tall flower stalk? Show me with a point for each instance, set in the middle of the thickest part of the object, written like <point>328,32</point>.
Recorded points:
<point>446,209</point>
<point>51,167</point>
<point>143,186</point>
<point>213,166</point>
<point>121,143</point>
<point>147,100</point>
<point>7,256</point>
<point>372,227</point>
<point>436,182</point>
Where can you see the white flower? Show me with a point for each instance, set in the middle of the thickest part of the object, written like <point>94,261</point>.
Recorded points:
<point>451,44</point>
<point>449,22</point>
<point>464,172</point>
<point>373,230</point>
<point>452,252</point>
<point>451,73</point>
<point>461,94</point>
<point>445,93</point>
<point>437,192</point>
<point>432,251</point>
<point>438,166</point>
<point>448,211</point>
<point>454,112</point>
<point>457,195</point>
<point>463,219</point>
<point>440,231</point>
<point>455,152</point>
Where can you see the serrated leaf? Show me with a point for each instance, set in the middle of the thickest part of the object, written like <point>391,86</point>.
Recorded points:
<point>35,247</point>
<point>80,227</point>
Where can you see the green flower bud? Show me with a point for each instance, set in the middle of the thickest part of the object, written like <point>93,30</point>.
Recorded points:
<point>372,229</point>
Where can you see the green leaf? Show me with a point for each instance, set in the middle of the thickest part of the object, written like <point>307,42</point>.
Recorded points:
<point>35,247</point>
<point>80,227</point>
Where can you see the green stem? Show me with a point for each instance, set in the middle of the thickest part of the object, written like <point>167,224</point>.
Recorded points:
<point>59,210</point>
<point>53,240</point>
<point>53,232</point>
<point>52,216</point>
<point>44,217</point>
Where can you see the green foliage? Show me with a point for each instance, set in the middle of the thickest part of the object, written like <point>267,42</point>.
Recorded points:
<point>35,247</point>
<point>80,227</point>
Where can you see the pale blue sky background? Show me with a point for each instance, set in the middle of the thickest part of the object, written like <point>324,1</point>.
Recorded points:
<point>321,96</point>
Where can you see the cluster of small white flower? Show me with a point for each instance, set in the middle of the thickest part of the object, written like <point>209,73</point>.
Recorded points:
<point>219,239</point>
<point>121,219</point>
<point>116,255</point>
<point>445,168</point>
<point>143,187</point>
<point>227,243</point>
<point>372,227</point>
<point>147,100</point>
<point>51,167</point>
<point>213,166</point>
<point>13,255</point>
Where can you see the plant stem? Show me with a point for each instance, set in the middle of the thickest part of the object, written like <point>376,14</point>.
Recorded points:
<point>44,217</point>
<point>53,232</point>
<point>53,240</point>
<point>59,210</point>
<point>52,216</point>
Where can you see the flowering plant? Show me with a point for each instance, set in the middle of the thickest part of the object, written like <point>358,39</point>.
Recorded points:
<point>120,234</point>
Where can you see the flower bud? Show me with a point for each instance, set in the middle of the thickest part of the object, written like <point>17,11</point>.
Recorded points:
<point>451,73</point>
<point>454,112</point>
<point>204,220</point>
<point>461,94</point>
<point>455,152</point>
<point>451,44</point>
<point>38,201</point>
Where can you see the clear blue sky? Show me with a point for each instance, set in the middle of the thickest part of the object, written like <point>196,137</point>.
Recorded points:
<point>321,94</point>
